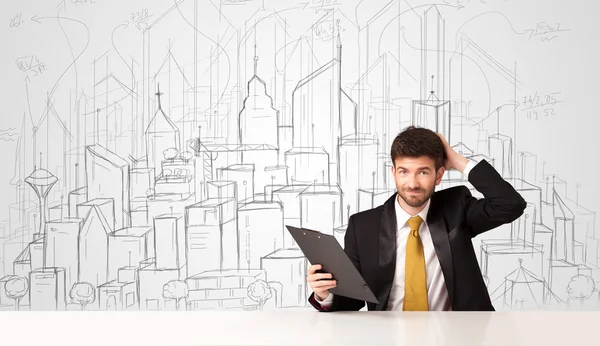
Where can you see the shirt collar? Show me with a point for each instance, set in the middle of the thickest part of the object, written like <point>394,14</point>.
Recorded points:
<point>402,216</point>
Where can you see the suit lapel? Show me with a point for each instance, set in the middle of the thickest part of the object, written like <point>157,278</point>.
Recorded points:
<point>387,250</point>
<point>441,243</point>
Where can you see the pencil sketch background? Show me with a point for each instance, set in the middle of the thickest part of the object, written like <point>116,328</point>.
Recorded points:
<point>153,151</point>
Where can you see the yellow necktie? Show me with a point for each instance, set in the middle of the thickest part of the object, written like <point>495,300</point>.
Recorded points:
<point>415,278</point>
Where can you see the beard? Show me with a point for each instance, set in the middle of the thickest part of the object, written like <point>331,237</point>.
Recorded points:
<point>415,201</point>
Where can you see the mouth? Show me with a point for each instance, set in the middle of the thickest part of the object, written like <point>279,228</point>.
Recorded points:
<point>415,192</point>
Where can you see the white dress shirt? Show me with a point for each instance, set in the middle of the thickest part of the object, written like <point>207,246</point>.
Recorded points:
<point>436,285</point>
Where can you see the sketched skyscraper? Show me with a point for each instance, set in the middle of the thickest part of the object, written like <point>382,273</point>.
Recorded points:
<point>259,128</point>
<point>107,177</point>
<point>319,107</point>
<point>41,181</point>
<point>433,54</point>
<point>433,114</point>
<point>259,121</point>
<point>433,109</point>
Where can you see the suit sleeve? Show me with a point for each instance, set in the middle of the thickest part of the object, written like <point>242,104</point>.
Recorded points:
<point>501,203</point>
<point>341,303</point>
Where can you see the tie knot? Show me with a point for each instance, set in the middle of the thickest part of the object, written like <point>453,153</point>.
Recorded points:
<point>414,223</point>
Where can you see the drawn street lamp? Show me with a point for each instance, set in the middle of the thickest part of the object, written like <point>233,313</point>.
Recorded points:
<point>41,181</point>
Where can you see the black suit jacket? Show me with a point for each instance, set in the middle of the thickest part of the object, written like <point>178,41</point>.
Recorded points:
<point>454,218</point>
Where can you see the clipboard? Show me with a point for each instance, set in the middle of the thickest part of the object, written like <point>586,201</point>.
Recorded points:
<point>325,250</point>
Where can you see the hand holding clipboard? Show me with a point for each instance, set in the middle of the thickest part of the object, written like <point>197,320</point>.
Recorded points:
<point>319,281</point>
<point>331,270</point>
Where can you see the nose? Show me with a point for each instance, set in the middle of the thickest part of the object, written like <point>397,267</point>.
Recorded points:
<point>413,182</point>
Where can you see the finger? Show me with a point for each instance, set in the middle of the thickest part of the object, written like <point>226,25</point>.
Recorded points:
<point>313,268</point>
<point>323,288</point>
<point>321,284</point>
<point>319,276</point>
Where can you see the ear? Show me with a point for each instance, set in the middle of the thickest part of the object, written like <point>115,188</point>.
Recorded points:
<point>439,175</point>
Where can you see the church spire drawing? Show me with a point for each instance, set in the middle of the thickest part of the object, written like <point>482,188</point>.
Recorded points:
<point>161,134</point>
<point>259,120</point>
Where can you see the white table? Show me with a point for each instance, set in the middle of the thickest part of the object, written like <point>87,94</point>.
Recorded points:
<point>299,328</point>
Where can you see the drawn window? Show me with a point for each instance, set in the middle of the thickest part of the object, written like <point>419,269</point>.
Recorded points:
<point>129,299</point>
<point>151,304</point>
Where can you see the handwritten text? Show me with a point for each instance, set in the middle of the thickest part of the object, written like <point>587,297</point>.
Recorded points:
<point>537,106</point>
<point>31,65</point>
<point>16,20</point>
<point>327,30</point>
<point>319,5</point>
<point>546,31</point>
<point>83,2</point>
<point>140,18</point>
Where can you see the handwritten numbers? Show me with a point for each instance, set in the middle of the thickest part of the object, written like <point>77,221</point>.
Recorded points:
<point>38,69</point>
<point>532,115</point>
<point>83,2</point>
<point>539,101</point>
<point>16,21</point>
<point>539,106</point>
<point>140,17</point>
<point>324,4</point>
<point>31,65</point>
<point>536,115</point>
<point>546,31</point>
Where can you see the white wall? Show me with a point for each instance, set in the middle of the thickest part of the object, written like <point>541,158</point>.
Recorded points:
<point>335,82</point>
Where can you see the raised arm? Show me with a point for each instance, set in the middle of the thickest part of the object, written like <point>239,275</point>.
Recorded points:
<point>500,204</point>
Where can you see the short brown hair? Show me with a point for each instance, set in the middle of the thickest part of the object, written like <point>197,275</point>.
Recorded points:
<point>416,142</point>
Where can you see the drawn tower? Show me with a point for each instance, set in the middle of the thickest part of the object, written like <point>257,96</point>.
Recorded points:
<point>319,109</point>
<point>258,121</point>
<point>433,114</point>
<point>161,134</point>
<point>41,181</point>
<point>434,110</point>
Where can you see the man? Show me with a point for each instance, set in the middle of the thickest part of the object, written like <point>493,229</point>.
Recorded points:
<point>415,251</point>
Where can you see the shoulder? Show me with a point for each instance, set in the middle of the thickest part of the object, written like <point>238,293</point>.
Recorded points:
<point>452,194</point>
<point>367,216</point>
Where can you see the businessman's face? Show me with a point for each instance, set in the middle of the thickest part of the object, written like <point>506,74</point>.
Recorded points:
<point>416,179</point>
